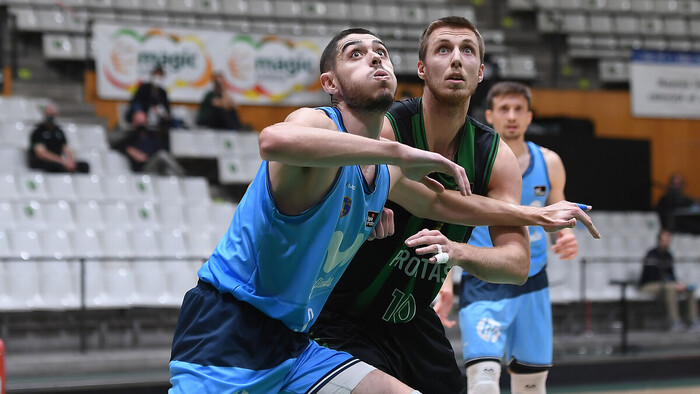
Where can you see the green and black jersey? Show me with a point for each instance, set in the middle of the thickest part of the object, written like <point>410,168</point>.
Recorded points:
<point>386,280</point>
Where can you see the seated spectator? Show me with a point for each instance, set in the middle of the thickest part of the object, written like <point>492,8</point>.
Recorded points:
<point>144,149</point>
<point>658,278</point>
<point>49,149</point>
<point>669,204</point>
<point>152,99</point>
<point>218,110</point>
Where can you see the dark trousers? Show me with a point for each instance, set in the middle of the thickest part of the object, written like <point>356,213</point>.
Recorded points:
<point>52,166</point>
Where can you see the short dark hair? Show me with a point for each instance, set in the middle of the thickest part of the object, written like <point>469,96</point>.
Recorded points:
<point>158,68</point>
<point>328,56</point>
<point>508,88</point>
<point>449,21</point>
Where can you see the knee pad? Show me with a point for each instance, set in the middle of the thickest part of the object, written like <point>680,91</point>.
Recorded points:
<point>528,383</point>
<point>483,377</point>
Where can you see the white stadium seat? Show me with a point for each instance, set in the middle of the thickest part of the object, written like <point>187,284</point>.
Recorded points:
<point>8,187</point>
<point>60,187</point>
<point>115,215</point>
<point>171,216</point>
<point>180,276</point>
<point>7,216</point>
<point>195,190</point>
<point>208,6</point>
<point>236,7</point>
<point>167,189</point>
<point>88,187</point>
<point>115,163</point>
<point>143,215</point>
<point>15,134</point>
<point>201,244</point>
<point>29,215</point>
<point>12,160</point>
<point>172,243</point>
<point>32,186</point>
<point>118,187</point>
<point>220,217</point>
<point>58,215</point>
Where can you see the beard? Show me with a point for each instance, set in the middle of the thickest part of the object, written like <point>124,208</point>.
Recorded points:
<point>380,102</point>
<point>449,97</point>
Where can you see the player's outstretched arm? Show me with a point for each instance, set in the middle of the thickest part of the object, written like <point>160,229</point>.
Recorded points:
<point>306,139</point>
<point>477,210</point>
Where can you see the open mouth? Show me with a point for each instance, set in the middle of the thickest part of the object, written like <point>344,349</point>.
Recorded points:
<point>455,78</point>
<point>381,74</point>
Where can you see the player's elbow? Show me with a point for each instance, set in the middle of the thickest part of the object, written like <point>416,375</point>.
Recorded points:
<point>272,143</point>
<point>521,272</point>
<point>521,266</point>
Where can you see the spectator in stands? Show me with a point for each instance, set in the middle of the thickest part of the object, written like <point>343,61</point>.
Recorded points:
<point>145,151</point>
<point>152,99</point>
<point>658,277</point>
<point>674,199</point>
<point>218,110</point>
<point>49,149</point>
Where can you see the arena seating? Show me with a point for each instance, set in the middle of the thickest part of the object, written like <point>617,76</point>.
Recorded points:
<point>127,227</point>
<point>610,30</point>
<point>400,22</point>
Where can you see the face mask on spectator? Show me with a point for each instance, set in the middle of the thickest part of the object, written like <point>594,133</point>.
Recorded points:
<point>157,80</point>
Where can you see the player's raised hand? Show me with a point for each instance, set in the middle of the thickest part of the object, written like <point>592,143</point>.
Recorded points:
<point>443,305</point>
<point>564,214</point>
<point>566,246</point>
<point>417,164</point>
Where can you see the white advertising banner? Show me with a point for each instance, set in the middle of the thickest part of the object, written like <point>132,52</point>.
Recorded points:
<point>665,84</point>
<point>258,69</point>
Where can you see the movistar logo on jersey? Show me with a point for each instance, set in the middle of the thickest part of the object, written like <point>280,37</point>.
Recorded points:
<point>488,329</point>
<point>336,257</point>
<point>347,203</point>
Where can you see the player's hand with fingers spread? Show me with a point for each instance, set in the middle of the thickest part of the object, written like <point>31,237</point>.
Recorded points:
<point>431,242</point>
<point>566,245</point>
<point>385,227</point>
<point>564,214</point>
<point>417,164</point>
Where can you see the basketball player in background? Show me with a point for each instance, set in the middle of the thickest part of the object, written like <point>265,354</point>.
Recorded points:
<point>501,320</point>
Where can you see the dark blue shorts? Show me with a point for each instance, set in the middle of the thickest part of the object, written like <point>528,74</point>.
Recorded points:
<point>224,345</point>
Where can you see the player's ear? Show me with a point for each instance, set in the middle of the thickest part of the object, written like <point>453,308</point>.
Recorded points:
<point>421,70</point>
<point>481,72</point>
<point>328,82</point>
<point>489,116</point>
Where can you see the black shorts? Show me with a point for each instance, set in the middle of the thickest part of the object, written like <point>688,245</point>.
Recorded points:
<point>417,353</point>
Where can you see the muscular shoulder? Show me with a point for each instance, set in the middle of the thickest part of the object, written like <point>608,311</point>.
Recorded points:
<point>506,179</point>
<point>311,117</point>
<point>552,160</point>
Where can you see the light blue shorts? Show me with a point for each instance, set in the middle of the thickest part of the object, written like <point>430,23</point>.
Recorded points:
<point>518,328</point>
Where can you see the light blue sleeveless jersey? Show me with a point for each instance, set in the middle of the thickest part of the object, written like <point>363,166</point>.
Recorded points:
<point>286,266</point>
<point>536,188</point>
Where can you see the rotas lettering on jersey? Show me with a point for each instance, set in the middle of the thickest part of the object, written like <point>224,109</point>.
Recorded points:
<point>410,265</point>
